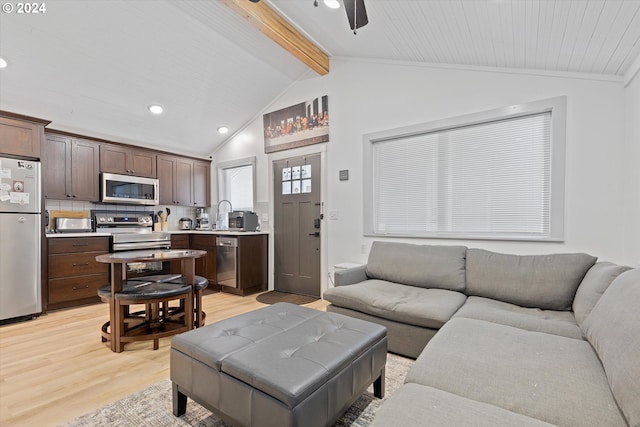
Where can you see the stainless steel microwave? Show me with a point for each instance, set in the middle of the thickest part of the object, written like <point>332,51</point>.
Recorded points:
<point>129,190</point>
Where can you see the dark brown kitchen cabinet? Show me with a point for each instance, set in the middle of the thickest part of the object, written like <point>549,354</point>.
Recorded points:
<point>74,276</point>
<point>252,265</point>
<point>176,180</point>
<point>205,266</point>
<point>21,135</point>
<point>127,161</point>
<point>180,241</point>
<point>201,183</point>
<point>70,168</point>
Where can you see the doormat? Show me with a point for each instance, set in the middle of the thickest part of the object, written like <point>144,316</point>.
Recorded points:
<point>273,297</point>
<point>152,407</point>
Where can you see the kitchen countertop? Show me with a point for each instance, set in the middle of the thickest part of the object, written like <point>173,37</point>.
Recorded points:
<point>211,232</point>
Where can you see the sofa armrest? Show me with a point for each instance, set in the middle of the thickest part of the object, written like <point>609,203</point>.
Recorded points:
<point>350,276</point>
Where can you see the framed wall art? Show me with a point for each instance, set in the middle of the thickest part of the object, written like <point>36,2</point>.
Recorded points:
<point>302,124</point>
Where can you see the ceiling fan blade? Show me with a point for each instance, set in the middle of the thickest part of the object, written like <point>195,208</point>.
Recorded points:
<point>356,13</point>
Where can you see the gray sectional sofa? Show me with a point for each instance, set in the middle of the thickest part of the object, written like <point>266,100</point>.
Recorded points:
<point>501,339</point>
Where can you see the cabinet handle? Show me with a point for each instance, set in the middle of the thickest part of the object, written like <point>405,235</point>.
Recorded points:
<point>80,265</point>
<point>75,288</point>
<point>80,244</point>
<point>69,195</point>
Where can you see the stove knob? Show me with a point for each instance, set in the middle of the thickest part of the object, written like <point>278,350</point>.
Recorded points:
<point>101,219</point>
<point>109,219</point>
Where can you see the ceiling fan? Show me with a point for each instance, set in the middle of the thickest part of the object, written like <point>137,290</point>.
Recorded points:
<point>356,12</point>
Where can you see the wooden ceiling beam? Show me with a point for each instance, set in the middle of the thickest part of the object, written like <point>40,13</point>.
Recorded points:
<point>278,29</point>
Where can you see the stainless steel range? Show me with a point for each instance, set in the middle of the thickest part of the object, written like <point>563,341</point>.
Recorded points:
<point>132,231</point>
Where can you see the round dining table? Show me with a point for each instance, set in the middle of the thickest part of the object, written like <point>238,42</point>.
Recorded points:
<point>118,261</point>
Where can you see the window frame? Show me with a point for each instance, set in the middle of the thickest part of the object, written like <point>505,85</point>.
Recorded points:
<point>557,107</point>
<point>221,167</point>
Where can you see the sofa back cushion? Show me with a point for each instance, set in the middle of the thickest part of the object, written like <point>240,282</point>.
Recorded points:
<point>613,329</point>
<point>596,281</point>
<point>541,281</point>
<point>418,265</point>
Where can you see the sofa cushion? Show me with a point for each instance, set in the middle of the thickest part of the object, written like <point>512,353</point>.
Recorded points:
<point>532,319</point>
<point>418,265</point>
<point>415,405</point>
<point>555,379</point>
<point>543,281</point>
<point>613,328</point>
<point>595,282</point>
<point>429,308</point>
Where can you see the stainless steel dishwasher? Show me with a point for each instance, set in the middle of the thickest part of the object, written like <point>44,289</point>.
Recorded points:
<point>227,261</point>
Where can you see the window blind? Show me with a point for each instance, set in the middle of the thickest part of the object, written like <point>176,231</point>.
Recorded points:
<point>490,179</point>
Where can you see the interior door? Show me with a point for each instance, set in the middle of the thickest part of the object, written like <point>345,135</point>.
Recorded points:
<point>297,225</point>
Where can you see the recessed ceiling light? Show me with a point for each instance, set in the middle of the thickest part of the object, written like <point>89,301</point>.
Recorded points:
<point>156,109</point>
<point>3,63</point>
<point>333,4</point>
<point>223,129</point>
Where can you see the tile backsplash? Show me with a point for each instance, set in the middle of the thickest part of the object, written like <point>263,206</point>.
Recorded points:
<point>177,212</point>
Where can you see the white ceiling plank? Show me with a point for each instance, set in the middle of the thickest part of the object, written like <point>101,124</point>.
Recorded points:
<point>532,14</point>
<point>97,65</point>
<point>602,29</point>
<point>624,35</point>
<point>557,33</point>
<point>585,33</point>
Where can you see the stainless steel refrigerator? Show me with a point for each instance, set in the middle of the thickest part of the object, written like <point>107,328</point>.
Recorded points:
<point>20,233</point>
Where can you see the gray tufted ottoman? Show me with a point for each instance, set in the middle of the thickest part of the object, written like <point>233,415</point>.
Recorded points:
<point>281,365</point>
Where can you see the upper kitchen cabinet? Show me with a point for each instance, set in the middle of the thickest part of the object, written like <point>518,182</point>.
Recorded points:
<point>175,176</point>
<point>183,181</point>
<point>21,135</point>
<point>127,161</point>
<point>70,168</point>
<point>201,183</point>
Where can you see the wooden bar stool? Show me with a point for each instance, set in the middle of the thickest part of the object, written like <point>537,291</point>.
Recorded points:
<point>156,321</point>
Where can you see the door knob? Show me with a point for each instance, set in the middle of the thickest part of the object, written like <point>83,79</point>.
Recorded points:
<point>316,234</point>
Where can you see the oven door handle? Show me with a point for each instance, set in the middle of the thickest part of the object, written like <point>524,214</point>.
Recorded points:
<point>140,245</point>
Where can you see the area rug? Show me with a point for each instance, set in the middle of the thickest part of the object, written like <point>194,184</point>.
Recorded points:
<point>152,407</point>
<point>273,297</point>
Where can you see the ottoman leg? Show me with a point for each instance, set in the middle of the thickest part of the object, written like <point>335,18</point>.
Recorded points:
<point>378,385</point>
<point>179,401</point>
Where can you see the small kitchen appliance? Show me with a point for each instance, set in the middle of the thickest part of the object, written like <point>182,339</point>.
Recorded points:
<point>202,220</point>
<point>72,225</point>
<point>243,221</point>
<point>185,223</point>
<point>129,190</point>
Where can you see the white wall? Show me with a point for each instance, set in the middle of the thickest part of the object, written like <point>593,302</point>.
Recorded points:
<point>632,137</point>
<point>365,96</point>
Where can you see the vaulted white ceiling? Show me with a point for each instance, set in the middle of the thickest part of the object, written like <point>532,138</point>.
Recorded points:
<point>93,67</point>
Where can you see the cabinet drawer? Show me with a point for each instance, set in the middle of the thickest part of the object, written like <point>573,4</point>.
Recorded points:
<point>76,288</point>
<point>63,245</point>
<point>68,265</point>
<point>180,241</point>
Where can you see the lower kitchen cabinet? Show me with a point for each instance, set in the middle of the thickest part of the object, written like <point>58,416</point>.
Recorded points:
<point>252,260</point>
<point>74,276</point>
<point>252,265</point>
<point>206,266</point>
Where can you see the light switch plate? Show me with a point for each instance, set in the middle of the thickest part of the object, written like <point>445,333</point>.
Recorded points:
<point>344,175</point>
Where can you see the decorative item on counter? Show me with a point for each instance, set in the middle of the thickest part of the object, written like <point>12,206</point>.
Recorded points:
<point>156,222</point>
<point>163,220</point>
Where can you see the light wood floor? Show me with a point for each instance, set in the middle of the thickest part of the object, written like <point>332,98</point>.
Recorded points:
<point>55,368</point>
